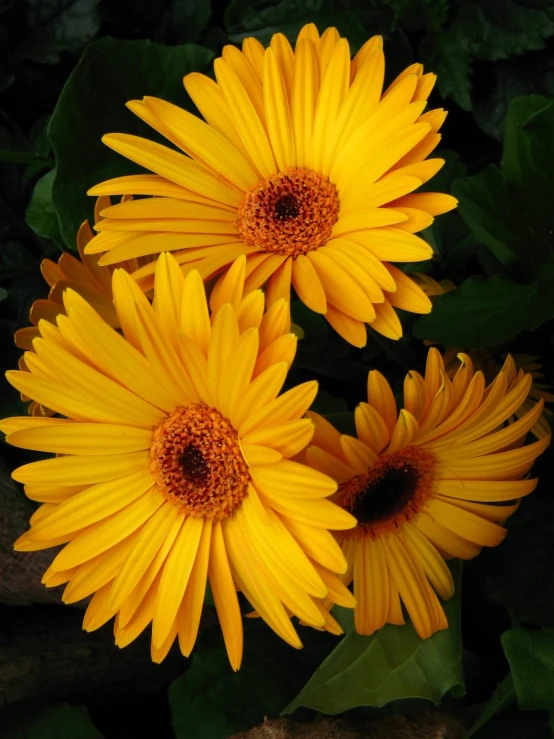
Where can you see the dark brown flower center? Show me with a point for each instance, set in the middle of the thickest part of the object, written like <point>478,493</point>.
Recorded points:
<point>291,213</point>
<point>287,207</point>
<point>197,462</point>
<point>391,493</point>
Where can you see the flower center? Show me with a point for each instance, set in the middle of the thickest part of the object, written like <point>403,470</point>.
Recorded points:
<point>291,213</point>
<point>197,462</point>
<point>391,493</point>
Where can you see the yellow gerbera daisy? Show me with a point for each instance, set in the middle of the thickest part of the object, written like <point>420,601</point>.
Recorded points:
<point>303,164</point>
<point>86,277</point>
<point>175,463</point>
<point>490,363</point>
<point>427,485</point>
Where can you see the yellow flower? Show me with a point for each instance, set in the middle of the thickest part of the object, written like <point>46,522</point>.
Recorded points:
<point>303,164</point>
<point>94,283</point>
<point>174,464</point>
<point>436,481</point>
<point>490,363</point>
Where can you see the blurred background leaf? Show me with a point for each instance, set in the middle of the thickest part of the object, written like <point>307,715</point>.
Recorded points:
<point>531,658</point>
<point>41,720</point>
<point>109,74</point>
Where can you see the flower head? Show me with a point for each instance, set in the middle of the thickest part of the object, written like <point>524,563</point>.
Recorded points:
<point>435,481</point>
<point>303,164</point>
<point>175,463</point>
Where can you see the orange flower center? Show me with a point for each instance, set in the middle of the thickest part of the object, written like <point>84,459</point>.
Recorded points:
<point>291,213</point>
<point>197,462</point>
<point>391,493</point>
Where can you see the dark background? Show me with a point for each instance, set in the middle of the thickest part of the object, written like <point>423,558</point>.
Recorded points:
<point>487,54</point>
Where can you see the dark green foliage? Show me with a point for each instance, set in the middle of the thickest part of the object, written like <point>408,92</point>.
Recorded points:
<point>520,574</point>
<point>109,74</point>
<point>531,658</point>
<point>211,702</point>
<point>67,68</point>
<point>40,720</point>
<point>262,18</point>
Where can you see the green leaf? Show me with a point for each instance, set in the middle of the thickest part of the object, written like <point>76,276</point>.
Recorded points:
<point>185,20</point>
<point>502,698</point>
<point>484,313</point>
<point>416,15</point>
<point>92,103</point>
<point>392,664</point>
<point>484,29</point>
<point>22,157</point>
<point>531,74</point>
<point>41,215</point>
<point>509,210</point>
<point>531,658</point>
<point>59,25</point>
<point>490,213</point>
<point>499,29</point>
<point>40,720</point>
<point>210,701</point>
<point>263,18</point>
<point>452,64</point>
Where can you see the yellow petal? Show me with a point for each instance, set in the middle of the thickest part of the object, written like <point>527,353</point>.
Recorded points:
<point>291,480</point>
<point>287,439</point>
<point>245,118</point>
<point>195,318</point>
<point>174,579</point>
<point>96,539</point>
<point>203,143</point>
<point>143,552</point>
<point>225,597</point>
<point>308,285</point>
<point>288,406</point>
<point>83,438</point>
<point>279,123</point>
<point>304,97</point>
<point>371,428</point>
<point>176,167</point>
<point>188,617</point>
<point>82,469</point>
<point>472,527</point>
<point>371,587</point>
<point>351,329</point>
<point>92,505</point>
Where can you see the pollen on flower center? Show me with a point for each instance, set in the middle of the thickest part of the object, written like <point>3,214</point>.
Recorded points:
<point>291,213</point>
<point>197,462</point>
<point>391,493</point>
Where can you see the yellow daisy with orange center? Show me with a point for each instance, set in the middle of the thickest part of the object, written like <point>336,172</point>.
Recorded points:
<point>174,465</point>
<point>303,163</point>
<point>434,481</point>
